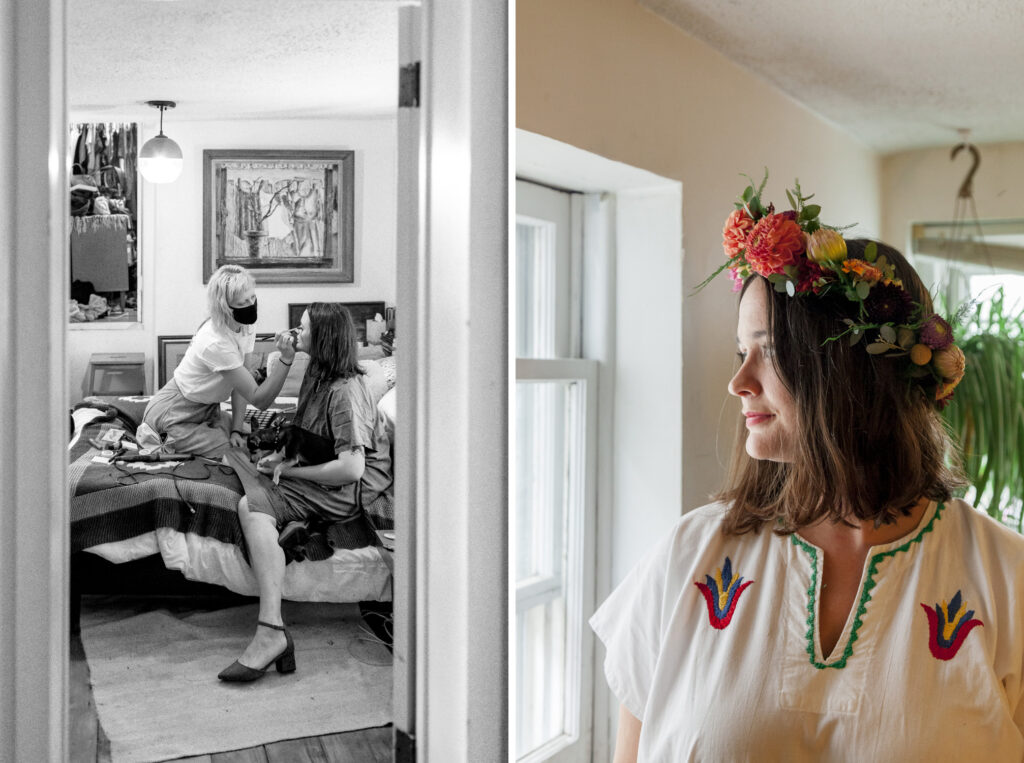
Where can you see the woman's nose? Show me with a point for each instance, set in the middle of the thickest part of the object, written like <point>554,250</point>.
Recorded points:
<point>744,383</point>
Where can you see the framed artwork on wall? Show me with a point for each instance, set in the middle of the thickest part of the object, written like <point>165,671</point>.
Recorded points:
<point>361,312</point>
<point>171,349</point>
<point>285,215</point>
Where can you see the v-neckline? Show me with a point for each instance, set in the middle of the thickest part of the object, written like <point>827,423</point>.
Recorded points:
<point>854,619</point>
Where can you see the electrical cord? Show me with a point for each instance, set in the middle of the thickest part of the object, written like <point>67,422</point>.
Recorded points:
<point>129,477</point>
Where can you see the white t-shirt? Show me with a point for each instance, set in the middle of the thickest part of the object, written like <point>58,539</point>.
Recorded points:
<point>210,352</point>
<point>712,642</point>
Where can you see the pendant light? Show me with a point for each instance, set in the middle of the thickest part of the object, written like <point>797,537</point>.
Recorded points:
<point>160,158</point>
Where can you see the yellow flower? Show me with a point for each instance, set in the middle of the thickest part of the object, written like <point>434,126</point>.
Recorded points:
<point>826,245</point>
<point>920,354</point>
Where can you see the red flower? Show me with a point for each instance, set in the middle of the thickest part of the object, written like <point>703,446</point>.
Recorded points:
<point>775,242</point>
<point>734,235</point>
<point>809,273</point>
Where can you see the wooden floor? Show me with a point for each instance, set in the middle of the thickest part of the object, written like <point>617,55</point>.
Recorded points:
<point>88,743</point>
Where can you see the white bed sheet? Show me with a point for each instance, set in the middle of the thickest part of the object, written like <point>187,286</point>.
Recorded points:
<point>351,575</point>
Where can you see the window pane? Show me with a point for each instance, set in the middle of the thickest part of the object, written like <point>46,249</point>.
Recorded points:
<point>535,289</point>
<point>549,516</point>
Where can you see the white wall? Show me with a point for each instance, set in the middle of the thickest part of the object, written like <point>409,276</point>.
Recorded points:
<point>922,186</point>
<point>620,82</point>
<point>171,224</point>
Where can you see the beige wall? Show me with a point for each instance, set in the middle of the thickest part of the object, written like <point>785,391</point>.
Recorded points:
<point>922,186</point>
<point>612,78</point>
<point>171,224</point>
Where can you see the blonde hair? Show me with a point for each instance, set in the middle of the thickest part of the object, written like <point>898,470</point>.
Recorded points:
<point>225,286</point>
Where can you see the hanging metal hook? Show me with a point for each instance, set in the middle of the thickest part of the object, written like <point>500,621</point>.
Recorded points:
<point>966,190</point>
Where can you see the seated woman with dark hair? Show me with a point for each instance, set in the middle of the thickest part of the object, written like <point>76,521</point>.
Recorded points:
<point>340,464</point>
<point>837,602</point>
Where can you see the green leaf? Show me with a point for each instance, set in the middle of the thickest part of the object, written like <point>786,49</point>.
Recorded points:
<point>791,271</point>
<point>871,251</point>
<point>851,295</point>
<point>877,348</point>
<point>863,289</point>
<point>856,336</point>
<point>748,192</point>
<point>888,333</point>
<point>811,211</point>
<point>792,201</point>
<point>780,286</point>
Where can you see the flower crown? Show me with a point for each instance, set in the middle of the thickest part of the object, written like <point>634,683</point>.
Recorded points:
<point>801,256</point>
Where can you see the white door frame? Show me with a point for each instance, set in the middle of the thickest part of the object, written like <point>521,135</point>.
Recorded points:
<point>458,344</point>
<point>457,339</point>
<point>33,293</point>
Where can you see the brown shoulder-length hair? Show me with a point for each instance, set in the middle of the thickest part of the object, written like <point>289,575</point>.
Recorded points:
<point>333,350</point>
<point>872,442</point>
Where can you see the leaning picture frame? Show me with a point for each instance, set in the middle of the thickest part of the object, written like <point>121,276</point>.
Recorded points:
<point>285,215</point>
<point>171,349</point>
<point>361,312</point>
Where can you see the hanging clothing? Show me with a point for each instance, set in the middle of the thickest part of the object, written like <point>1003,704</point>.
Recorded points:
<point>712,642</point>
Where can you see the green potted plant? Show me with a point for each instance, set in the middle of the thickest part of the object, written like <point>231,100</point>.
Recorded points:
<point>987,412</point>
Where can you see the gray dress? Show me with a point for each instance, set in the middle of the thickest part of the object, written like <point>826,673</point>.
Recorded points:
<point>332,418</point>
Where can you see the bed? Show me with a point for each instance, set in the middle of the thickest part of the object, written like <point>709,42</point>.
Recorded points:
<point>183,515</point>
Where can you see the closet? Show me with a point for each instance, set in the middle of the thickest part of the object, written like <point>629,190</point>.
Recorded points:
<point>104,222</point>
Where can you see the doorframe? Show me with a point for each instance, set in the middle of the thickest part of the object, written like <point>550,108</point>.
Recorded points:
<point>457,334</point>
<point>33,284</point>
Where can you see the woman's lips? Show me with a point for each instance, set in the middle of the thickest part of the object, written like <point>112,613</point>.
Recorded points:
<point>753,419</point>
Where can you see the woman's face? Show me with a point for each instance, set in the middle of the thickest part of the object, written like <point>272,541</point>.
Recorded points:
<point>302,341</point>
<point>768,407</point>
<point>244,298</point>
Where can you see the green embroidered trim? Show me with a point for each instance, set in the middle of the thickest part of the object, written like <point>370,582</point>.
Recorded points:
<point>865,596</point>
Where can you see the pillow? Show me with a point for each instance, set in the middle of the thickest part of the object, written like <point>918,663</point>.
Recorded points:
<point>388,407</point>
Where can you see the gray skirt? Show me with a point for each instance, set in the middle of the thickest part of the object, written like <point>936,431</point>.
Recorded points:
<point>202,429</point>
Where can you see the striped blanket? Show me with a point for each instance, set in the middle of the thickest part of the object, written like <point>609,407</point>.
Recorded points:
<point>116,502</point>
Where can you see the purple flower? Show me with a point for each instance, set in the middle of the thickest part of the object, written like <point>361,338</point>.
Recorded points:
<point>936,333</point>
<point>888,303</point>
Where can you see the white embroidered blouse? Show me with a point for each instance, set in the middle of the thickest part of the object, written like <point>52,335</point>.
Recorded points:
<point>712,642</point>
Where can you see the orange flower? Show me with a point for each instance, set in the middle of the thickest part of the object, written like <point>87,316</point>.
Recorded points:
<point>867,272</point>
<point>775,242</point>
<point>945,389</point>
<point>734,234</point>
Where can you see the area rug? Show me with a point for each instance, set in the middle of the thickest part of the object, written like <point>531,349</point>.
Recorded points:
<point>154,678</point>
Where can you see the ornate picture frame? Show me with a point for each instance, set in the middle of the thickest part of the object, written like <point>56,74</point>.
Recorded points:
<point>287,216</point>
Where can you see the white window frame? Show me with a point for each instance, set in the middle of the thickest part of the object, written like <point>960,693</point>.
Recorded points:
<point>580,542</point>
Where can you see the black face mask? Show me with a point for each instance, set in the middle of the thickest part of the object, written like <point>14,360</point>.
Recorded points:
<point>245,315</point>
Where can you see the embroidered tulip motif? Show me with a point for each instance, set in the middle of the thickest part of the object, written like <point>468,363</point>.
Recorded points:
<point>947,627</point>
<point>722,592</point>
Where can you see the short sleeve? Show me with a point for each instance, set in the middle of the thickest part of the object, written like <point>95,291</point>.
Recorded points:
<point>629,623</point>
<point>352,417</point>
<point>221,355</point>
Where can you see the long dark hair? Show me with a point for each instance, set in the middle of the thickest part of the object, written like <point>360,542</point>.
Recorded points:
<point>333,350</point>
<point>872,444</point>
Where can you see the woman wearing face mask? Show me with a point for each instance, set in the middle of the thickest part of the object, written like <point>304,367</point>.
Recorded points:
<point>187,409</point>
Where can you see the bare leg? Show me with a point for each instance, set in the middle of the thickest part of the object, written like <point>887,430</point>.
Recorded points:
<point>267,559</point>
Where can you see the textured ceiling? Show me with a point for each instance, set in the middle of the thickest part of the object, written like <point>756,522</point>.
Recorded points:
<point>227,59</point>
<point>896,75</point>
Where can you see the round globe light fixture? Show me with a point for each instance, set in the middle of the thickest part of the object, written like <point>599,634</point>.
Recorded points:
<point>160,159</point>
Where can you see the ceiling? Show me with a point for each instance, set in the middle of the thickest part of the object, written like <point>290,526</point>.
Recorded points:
<point>233,59</point>
<point>895,75</point>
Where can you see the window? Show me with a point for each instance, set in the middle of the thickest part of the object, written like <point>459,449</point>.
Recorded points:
<point>555,404</point>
